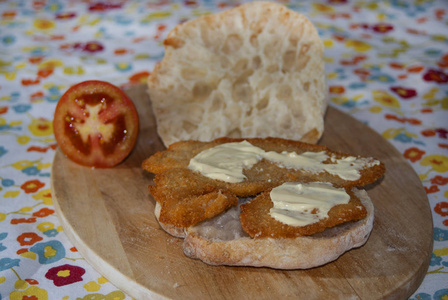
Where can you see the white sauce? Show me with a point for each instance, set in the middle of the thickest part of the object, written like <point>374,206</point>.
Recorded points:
<point>298,204</point>
<point>227,161</point>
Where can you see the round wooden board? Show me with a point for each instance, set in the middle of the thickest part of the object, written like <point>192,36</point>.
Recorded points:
<point>108,215</point>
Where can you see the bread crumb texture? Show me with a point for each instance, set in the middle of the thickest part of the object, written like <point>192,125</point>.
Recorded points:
<point>253,71</point>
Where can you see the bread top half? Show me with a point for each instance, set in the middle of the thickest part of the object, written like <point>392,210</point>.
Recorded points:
<point>256,70</point>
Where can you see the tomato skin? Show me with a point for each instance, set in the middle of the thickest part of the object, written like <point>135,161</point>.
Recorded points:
<point>96,124</point>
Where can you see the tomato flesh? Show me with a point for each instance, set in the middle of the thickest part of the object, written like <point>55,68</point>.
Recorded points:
<point>96,124</point>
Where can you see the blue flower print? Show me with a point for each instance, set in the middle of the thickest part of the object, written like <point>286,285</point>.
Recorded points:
<point>441,294</point>
<point>3,151</point>
<point>381,77</point>
<point>8,263</point>
<point>357,85</point>
<point>440,234</point>
<point>7,183</point>
<point>21,108</point>
<point>31,171</point>
<point>51,233</point>
<point>49,252</point>
<point>401,137</point>
<point>435,260</point>
<point>8,40</point>
<point>421,296</point>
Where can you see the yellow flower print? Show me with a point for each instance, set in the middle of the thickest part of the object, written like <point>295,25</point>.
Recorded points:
<point>385,98</point>
<point>11,194</point>
<point>41,127</point>
<point>358,46</point>
<point>45,196</point>
<point>74,70</point>
<point>43,24</point>
<point>22,164</point>
<point>23,139</point>
<point>376,109</point>
<point>32,291</point>
<point>102,280</point>
<point>322,8</point>
<point>392,132</point>
<point>328,43</point>
<point>29,254</point>
<point>45,226</point>
<point>51,63</point>
<point>49,252</point>
<point>439,163</point>
<point>92,286</point>
<point>20,284</point>
<point>42,166</point>
<point>155,16</point>
<point>2,217</point>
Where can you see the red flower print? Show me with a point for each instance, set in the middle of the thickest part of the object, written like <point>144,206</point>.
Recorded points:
<point>22,250</point>
<point>442,132</point>
<point>337,89</point>
<point>32,186</point>
<point>441,208</point>
<point>443,63</point>
<point>443,146</point>
<point>415,69</point>
<point>102,7</point>
<point>382,28</point>
<point>28,239</point>
<point>432,189</point>
<point>93,47</point>
<point>140,77</point>
<point>9,14</point>
<point>395,65</point>
<point>3,110</point>
<point>436,76</point>
<point>413,154</point>
<point>37,149</point>
<point>32,281</point>
<point>23,220</point>
<point>439,180</point>
<point>428,132</point>
<point>26,82</point>
<point>44,73</point>
<point>65,15</point>
<point>404,93</point>
<point>43,212</point>
<point>65,274</point>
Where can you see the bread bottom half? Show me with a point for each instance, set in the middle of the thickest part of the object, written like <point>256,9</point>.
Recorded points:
<point>222,241</point>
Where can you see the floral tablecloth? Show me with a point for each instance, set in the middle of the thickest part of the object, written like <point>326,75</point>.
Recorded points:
<point>387,65</point>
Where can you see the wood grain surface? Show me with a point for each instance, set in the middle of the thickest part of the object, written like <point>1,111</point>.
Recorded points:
<point>108,215</point>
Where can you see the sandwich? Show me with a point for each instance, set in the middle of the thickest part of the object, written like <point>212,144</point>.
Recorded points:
<point>263,202</point>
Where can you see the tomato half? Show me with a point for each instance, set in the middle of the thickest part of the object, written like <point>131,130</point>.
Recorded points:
<point>95,124</point>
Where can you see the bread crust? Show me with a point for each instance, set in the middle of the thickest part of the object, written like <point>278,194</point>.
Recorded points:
<point>286,253</point>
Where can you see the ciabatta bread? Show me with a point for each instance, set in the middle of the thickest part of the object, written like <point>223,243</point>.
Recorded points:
<point>253,71</point>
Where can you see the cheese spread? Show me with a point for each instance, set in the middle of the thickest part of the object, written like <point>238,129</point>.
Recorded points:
<point>226,162</point>
<point>301,204</point>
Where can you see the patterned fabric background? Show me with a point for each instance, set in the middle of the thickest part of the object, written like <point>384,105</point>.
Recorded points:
<point>387,65</point>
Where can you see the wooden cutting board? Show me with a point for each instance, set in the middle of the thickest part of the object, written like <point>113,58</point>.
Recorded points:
<point>108,215</point>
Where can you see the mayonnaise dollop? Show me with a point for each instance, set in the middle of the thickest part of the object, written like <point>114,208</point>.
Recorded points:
<point>226,162</point>
<point>301,204</point>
